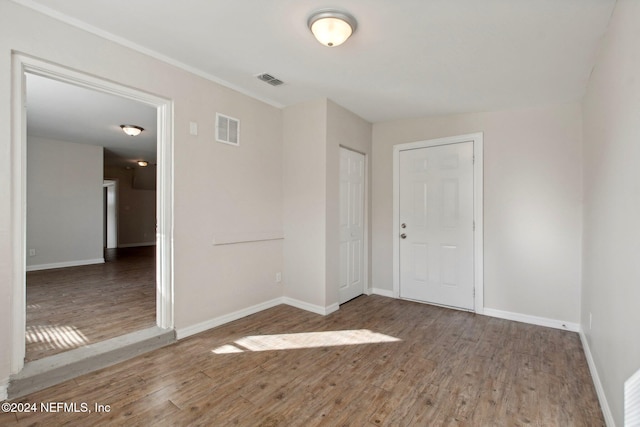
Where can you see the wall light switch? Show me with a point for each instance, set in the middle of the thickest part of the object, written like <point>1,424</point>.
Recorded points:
<point>193,128</point>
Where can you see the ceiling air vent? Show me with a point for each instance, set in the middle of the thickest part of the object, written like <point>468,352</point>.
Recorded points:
<point>268,78</point>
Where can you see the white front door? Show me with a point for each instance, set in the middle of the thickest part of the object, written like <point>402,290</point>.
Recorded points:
<point>351,224</point>
<point>436,225</point>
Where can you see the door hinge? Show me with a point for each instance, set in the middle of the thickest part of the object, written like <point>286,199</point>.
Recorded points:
<point>473,159</point>
<point>474,226</point>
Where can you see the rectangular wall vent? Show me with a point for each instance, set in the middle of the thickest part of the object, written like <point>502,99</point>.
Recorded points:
<point>268,78</point>
<point>227,129</point>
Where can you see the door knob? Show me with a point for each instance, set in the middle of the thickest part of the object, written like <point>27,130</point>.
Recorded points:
<point>403,225</point>
<point>403,236</point>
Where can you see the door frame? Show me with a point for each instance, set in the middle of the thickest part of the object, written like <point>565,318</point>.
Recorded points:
<point>366,290</point>
<point>21,64</point>
<point>111,215</point>
<point>478,255</point>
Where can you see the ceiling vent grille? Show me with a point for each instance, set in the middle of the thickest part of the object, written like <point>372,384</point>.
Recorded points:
<point>268,78</point>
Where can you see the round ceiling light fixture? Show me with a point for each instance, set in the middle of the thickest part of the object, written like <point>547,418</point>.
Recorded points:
<point>143,163</point>
<point>332,27</point>
<point>132,130</point>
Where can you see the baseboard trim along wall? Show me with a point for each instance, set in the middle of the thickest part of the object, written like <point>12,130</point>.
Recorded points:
<point>212,323</point>
<point>382,292</point>
<point>65,264</point>
<point>507,315</point>
<point>602,398</point>
<point>533,320</point>
<point>218,321</point>
<point>318,309</point>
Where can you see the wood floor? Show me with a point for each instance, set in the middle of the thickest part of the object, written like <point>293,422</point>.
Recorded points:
<point>375,362</point>
<point>71,307</point>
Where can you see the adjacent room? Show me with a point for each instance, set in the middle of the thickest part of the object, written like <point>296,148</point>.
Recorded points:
<point>91,215</point>
<point>377,213</point>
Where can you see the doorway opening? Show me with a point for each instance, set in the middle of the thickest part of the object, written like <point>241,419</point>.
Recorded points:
<point>158,233</point>
<point>110,238</point>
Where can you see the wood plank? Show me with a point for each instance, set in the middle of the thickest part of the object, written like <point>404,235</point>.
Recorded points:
<point>71,307</point>
<point>444,368</point>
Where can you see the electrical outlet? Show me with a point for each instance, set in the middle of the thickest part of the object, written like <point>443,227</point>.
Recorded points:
<point>32,252</point>
<point>278,277</point>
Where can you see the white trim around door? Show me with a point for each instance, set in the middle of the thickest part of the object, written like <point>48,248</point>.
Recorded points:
<point>477,140</point>
<point>352,251</point>
<point>22,64</point>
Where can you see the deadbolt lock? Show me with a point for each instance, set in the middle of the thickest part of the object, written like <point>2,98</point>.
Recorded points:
<point>403,236</point>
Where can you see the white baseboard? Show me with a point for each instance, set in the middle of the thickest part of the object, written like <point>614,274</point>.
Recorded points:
<point>65,264</point>
<point>507,315</point>
<point>135,245</point>
<point>212,323</point>
<point>602,398</point>
<point>4,385</point>
<point>533,320</point>
<point>382,292</point>
<point>332,308</point>
<point>311,307</point>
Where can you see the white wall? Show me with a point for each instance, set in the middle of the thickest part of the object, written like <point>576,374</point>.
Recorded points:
<point>136,209</point>
<point>64,203</point>
<point>611,259</point>
<point>344,129</point>
<point>532,190</point>
<point>313,134</point>
<point>304,175</point>
<point>217,187</point>
<point>532,204</point>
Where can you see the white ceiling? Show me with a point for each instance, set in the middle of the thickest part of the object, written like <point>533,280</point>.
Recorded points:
<point>408,58</point>
<point>65,112</point>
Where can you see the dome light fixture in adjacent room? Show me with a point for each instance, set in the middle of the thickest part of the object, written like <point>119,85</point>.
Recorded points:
<point>132,130</point>
<point>332,27</point>
<point>143,163</point>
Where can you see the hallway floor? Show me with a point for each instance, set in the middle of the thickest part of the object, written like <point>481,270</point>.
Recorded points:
<point>71,307</point>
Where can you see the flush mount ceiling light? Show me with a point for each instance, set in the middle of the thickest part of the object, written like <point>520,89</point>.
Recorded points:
<point>143,163</point>
<point>332,27</point>
<point>131,130</point>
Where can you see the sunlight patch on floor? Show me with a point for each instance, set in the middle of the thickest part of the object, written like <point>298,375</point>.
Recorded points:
<point>304,340</point>
<point>56,336</point>
<point>228,349</point>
